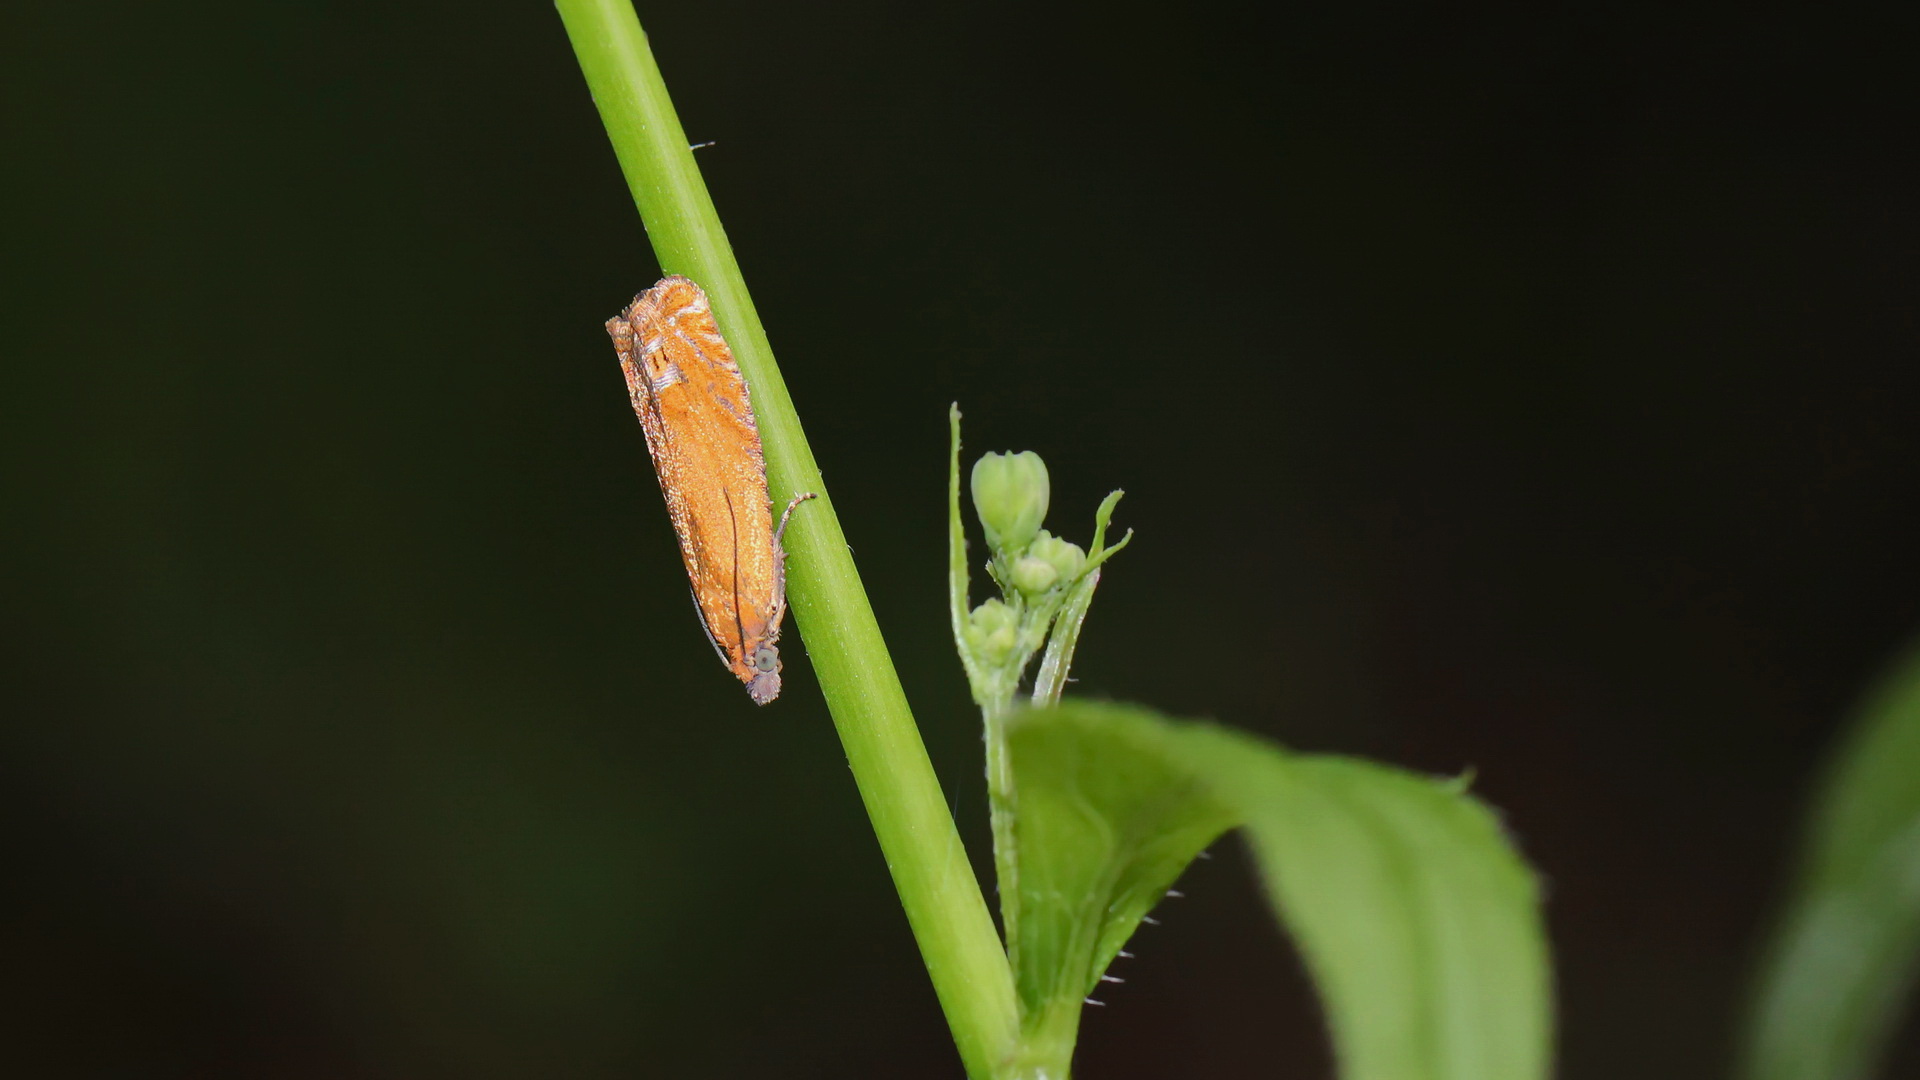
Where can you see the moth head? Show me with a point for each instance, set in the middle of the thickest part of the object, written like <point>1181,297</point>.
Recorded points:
<point>765,684</point>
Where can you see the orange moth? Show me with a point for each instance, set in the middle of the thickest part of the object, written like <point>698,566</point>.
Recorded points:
<point>698,419</point>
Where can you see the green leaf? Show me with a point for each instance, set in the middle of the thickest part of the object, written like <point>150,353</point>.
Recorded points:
<point>1843,959</point>
<point>1418,920</point>
<point>1419,923</point>
<point>1105,815</point>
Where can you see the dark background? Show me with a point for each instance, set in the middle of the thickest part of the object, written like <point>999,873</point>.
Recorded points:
<point>1529,392</point>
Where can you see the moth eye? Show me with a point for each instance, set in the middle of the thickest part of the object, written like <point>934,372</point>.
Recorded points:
<point>766,660</point>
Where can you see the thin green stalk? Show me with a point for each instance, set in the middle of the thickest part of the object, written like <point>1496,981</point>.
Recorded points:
<point>958,604</point>
<point>1052,680</point>
<point>937,888</point>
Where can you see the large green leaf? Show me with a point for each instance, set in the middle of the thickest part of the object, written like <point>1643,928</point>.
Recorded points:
<point>1419,923</point>
<point>1844,957</point>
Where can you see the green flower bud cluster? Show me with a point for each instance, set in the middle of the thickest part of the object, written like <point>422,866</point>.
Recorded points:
<point>1046,585</point>
<point>993,632</point>
<point>1049,559</point>
<point>1039,576</point>
<point>1011,493</point>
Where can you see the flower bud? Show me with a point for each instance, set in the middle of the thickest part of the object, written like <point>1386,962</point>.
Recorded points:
<point>1010,495</point>
<point>992,632</point>
<point>1066,559</point>
<point>1033,576</point>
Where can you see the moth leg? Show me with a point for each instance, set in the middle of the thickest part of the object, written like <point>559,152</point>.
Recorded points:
<point>781,530</point>
<point>780,561</point>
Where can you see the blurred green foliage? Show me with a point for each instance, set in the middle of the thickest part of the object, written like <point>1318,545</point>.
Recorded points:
<point>1842,963</point>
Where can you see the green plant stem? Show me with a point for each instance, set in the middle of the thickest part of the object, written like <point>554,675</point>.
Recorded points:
<point>937,887</point>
